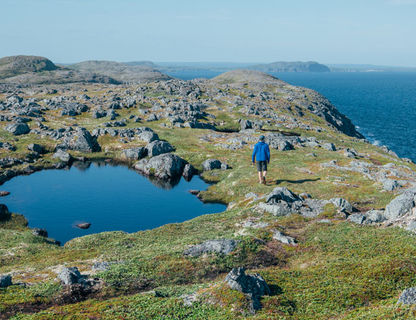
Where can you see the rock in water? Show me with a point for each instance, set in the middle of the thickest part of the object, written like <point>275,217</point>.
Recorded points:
<point>408,296</point>
<point>4,193</point>
<point>18,128</point>
<point>224,246</point>
<point>189,171</point>
<point>84,225</point>
<point>69,276</point>
<point>252,285</point>
<point>165,166</point>
<point>5,281</point>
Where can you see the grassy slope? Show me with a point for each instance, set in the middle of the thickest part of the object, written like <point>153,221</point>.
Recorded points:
<point>338,271</point>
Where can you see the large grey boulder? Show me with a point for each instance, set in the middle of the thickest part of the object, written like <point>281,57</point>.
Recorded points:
<point>70,276</point>
<point>189,171</point>
<point>165,166</point>
<point>156,148</point>
<point>224,246</point>
<point>375,216</point>
<point>281,202</point>
<point>400,205</point>
<point>83,141</point>
<point>211,164</point>
<point>254,286</point>
<point>18,128</point>
<point>5,281</point>
<point>134,153</point>
<point>408,296</point>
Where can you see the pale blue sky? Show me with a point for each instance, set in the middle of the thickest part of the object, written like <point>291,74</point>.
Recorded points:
<point>329,31</point>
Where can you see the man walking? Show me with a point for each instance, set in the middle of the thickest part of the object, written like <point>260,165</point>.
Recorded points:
<point>261,153</point>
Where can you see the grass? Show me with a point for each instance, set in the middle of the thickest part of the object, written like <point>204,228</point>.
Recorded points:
<point>338,270</point>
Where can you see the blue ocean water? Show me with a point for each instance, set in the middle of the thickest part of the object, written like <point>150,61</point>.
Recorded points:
<point>109,197</point>
<point>381,104</point>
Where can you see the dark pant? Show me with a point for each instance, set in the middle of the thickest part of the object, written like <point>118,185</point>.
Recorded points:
<point>261,166</point>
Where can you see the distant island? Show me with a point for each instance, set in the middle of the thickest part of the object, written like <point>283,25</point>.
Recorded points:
<point>297,66</point>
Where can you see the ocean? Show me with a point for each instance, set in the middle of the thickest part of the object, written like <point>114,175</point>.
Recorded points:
<point>381,104</point>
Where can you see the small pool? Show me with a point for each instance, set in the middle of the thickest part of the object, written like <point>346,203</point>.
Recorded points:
<point>109,197</point>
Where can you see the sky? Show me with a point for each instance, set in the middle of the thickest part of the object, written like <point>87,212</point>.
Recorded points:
<point>380,32</point>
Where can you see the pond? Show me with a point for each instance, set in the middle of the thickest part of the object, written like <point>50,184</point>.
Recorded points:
<point>109,197</point>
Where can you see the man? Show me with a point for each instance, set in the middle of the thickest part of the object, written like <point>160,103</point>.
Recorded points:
<point>261,153</point>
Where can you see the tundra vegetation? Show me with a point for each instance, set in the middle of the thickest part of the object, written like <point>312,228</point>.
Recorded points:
<point>315,242</point>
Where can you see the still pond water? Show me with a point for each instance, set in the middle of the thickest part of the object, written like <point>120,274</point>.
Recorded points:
<point>109,197</point>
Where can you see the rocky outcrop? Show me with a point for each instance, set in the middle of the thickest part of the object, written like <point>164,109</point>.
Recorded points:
<point>4,212</point>
<point>223,246</point>
<point>254,286</point>
<point>165,166</point>
<point>401,205</point>
<point>83,141</point>
<point>156,148</point>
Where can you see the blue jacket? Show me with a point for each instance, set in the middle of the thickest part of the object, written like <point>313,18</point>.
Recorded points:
<point>261,152</point>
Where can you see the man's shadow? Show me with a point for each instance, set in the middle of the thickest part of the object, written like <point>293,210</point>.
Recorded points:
<point>295,181</point>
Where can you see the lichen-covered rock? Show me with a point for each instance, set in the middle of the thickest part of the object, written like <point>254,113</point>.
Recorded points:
<point>357,218</point>
<point>342,204</point>
<point>70,276</point>
<point>148,135</point>
<point>408,296</point>
<point>165,166</point>
<point>158,147</point>
<point>224,246</point>
<point>400,205</point>
<point>211,164</point>
<point>83,141</point>
<point>62,155</point>
<point>134,153</point>
<point>254,286</point>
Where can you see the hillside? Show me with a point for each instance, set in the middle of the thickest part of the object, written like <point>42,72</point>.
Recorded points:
<point>120,71</point>
<point>16,65</point>
<point>297,66</point>
<point>31,70</point>
<point>330,235</point>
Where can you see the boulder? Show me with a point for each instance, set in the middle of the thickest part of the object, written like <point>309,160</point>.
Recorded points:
<point>156,148</point>
<point>400,205</point>
<point>281,194</point>
<point>4,193</point>
<point>165,166</point>
<point>357,218</point>
<point>83,225</point>
<point>342,204</point>
<point>36,148</point>
<point>83,141</point>
<point>62,155</point>
<point>189,171</point>
<point>279,236</point>
<point>211,164</point>
<point>245,124</point>
<point>254,286</point>
<point>224,246</point>
<point>135,153</point>
<point>18,128</point>
<point>408,296</point>
<point>5,281</point>
<point>375,216</point>
<point>70,276</point>
<point>148,136</point>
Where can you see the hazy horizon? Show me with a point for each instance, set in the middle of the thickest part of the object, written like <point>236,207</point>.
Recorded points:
<point>376,32</point>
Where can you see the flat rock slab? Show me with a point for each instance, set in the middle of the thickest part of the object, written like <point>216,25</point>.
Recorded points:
<point>223,246</point>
